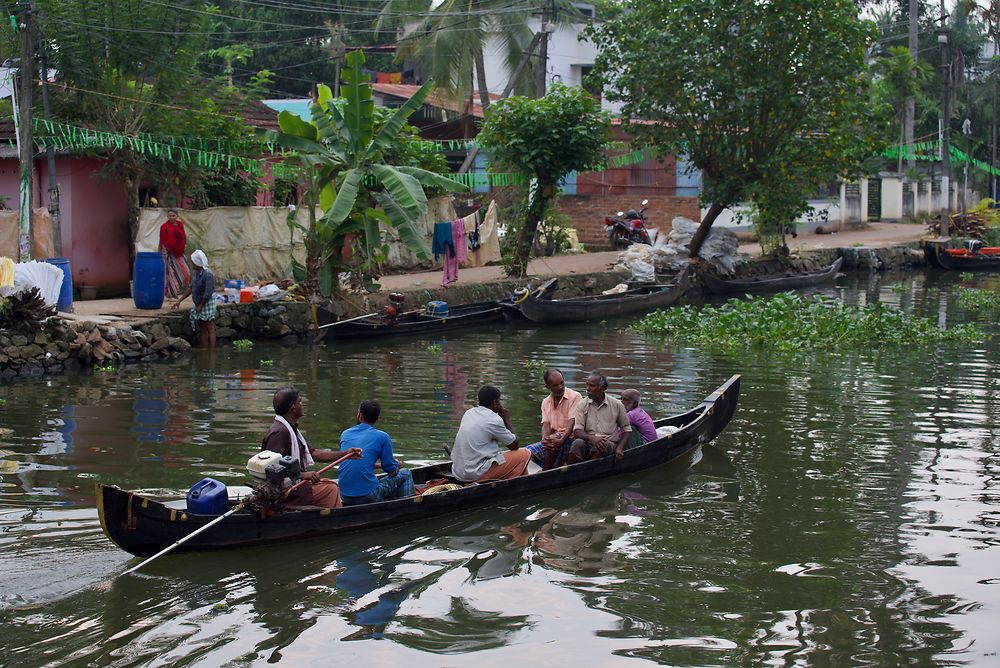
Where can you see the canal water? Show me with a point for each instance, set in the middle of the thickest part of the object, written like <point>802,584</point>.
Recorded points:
<point>849,515</point>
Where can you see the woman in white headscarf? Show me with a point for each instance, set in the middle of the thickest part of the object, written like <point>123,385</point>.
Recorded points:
<point>202,291</point>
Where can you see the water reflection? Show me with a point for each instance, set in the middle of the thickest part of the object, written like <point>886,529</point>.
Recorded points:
<point>848,516</point>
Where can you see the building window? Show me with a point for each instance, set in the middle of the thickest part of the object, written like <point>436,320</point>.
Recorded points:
<point>589,84</point>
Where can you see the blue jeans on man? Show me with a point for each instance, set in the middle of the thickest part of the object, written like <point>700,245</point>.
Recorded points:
<point>389,487</point>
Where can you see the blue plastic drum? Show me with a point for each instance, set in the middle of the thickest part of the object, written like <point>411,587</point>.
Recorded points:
<point>65,303</point>
<point>148,278</point>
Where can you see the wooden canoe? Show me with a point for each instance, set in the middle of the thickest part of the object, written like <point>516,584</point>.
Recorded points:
<point>774,283</point>
<point>144,526</point>
<point>640,299</point>
<point>412,323</point>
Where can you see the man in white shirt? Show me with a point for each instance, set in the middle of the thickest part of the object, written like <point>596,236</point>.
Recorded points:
<point>476,456</point>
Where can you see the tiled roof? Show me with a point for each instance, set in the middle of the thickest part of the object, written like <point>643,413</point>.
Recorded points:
<point>437,98</point>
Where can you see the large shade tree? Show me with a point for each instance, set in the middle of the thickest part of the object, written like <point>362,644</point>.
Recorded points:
<point>747,90</point>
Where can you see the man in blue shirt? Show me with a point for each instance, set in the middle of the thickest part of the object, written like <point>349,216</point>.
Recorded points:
<point>358,483</point>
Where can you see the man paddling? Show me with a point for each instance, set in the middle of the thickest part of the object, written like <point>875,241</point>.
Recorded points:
<point>280,438</point>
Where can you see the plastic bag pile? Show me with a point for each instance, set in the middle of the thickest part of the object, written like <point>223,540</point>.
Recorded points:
<point>46,277</point>
<point>669,253</point>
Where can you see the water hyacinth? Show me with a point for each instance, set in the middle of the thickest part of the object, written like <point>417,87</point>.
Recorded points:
<point>789,322</point>
<point>978,299</point>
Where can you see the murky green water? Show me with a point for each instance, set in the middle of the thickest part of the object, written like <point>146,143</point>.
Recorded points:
<point>848,516</point>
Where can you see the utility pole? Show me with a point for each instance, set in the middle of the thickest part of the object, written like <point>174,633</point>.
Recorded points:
<point>945,116</point>
<point>910,110</point>
<point>50,158</point>
<point>26,235</point>
<point>548,26</point>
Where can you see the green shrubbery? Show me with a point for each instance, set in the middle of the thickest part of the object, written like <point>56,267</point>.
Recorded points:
<point>789,322</point>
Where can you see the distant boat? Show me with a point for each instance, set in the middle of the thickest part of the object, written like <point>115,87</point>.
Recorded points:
<point>984,258</point>
<point>639,299</point>
<point>144,526</point>
<point>411,323</point>
<point>774,282</point>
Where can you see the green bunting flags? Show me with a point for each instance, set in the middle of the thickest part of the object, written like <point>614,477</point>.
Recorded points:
<point>930,151</point>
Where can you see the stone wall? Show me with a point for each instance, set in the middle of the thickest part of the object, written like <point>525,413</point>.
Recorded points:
<point>71,344</point>
<point>588,212</point>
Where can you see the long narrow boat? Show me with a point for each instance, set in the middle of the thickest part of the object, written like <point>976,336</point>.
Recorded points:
<point>774,283</point>
<point>412,323</point>
<point>600,307</point>
<point>939,256</point>
<point>144,526</point>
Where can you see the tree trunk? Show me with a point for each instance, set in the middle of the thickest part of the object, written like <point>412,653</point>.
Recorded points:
<point>706,225</point>
<point>534,214</point>
<point>130,180</point>
<point>484,93</point>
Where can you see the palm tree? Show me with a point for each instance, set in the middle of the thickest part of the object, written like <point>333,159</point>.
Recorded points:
<point>902,75</point>
<point>449,39</point>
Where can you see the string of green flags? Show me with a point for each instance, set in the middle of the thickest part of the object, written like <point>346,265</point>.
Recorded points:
<point>930,151</point>
<point>251,155</point>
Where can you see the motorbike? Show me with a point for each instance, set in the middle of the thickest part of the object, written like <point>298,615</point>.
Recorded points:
<point>628,228</point>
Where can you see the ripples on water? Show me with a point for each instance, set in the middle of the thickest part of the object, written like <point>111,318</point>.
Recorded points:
<point>848,516</point>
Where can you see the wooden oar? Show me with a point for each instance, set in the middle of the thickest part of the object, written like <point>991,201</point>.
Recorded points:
<point>239,506</point>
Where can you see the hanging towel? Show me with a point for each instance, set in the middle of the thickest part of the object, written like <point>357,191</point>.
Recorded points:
<point>459,240</point>
<point>443,243</point>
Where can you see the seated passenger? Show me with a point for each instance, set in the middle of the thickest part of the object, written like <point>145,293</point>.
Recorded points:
<point>358,483</point>
<point>476,456</point>
<point>558,410</point>
<point>643,429</point>
<point>285,438</point>
<point>602,427</point>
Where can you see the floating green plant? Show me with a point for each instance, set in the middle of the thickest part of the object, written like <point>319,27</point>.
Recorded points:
<point>790,322</point>
<point>3,402</point>
<point>966,276</point>
<point>107,366</point>
<point>434,349</point>
<point>899,288</point>
<point>535,366</point>
<point>267,362</point>
<point>978,299</point>
<point>243,345</point>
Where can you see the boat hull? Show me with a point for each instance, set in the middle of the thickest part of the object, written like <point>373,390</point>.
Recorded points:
<point>416,324</point>
<point>602,307</point>
<point>988,259</point>
<point>144,526</point>
<point>774,284</point>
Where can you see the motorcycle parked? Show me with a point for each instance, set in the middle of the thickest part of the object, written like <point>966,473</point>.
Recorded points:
<point>628,228</point>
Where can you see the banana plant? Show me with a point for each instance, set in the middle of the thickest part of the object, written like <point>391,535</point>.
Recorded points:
<point>343,153</point>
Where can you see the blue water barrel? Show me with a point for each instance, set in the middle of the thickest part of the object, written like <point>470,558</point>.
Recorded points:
<point>148,278</point>
<point>66,291</point>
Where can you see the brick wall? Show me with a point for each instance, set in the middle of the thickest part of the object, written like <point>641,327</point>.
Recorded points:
<point>588,211</point>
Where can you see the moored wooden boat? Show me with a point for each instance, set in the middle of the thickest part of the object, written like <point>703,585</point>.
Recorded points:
<point>412,323</point>
<point>986,258</point>
<point>774,283</point>
<point>144,526</point>
<point>641,299</point>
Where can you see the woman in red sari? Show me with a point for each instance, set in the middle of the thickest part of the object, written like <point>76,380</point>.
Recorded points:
<point>173,239</point>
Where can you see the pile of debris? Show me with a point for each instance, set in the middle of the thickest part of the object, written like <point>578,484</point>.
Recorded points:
<point>971,224</point>
<point>669,253</point>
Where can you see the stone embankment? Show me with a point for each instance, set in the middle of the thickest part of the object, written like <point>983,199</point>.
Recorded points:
<point>70,344</point>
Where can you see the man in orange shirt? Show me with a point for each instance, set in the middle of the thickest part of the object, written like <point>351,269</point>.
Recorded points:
<point>558,410</point>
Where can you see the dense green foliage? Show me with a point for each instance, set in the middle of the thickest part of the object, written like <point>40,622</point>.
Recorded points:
<point>342,151</point>
<point>789,322</point>
<point>769,99</point>
<point>546,138</point>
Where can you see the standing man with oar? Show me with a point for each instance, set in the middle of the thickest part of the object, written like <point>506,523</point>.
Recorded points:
<point>285,438</point>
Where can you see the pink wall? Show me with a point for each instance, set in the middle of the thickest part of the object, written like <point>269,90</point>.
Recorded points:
<point>94,214</point>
